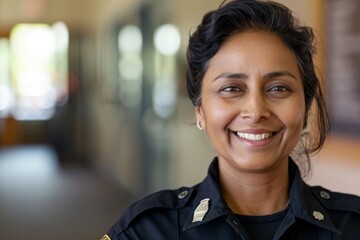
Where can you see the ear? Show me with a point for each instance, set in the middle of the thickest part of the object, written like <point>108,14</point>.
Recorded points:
<point>200,116</point>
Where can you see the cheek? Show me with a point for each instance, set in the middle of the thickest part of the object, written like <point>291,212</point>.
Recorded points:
<point>297,123</point>
<point>294,119</point>
<point>218,114</point>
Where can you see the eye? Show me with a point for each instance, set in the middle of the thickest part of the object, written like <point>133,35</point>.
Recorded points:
<point>279,91</point>
<point>279,88</point>
<point>230,89</point>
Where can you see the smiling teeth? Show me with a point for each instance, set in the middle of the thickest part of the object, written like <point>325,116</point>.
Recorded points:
<point>254,137</point>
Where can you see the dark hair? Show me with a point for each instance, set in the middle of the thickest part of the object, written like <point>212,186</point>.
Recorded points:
<point>241,15</point>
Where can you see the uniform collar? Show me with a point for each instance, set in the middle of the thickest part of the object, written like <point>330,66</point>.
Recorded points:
<point>303,204</point>
<point>208,189</point>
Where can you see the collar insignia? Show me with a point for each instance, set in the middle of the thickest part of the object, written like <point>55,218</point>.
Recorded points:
<point>105,237</point>
<point>201,210</point>
<point>318,215</point>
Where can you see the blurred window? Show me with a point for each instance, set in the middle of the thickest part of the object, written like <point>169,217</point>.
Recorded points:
<point>38,66</point>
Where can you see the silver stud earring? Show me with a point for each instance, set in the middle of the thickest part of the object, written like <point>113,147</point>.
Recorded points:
<point>198,124</point>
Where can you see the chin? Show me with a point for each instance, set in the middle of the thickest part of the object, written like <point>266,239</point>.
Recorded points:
<point>257,164</point>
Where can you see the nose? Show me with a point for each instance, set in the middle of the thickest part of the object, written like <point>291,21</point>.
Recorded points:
<point>254,107</point>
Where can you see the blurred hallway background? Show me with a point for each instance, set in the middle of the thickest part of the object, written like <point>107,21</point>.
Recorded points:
<point>42,200</point>
<point>94,112</point>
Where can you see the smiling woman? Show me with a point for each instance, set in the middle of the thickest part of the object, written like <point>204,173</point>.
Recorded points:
<point>251,97</point>
<point>252,82</point>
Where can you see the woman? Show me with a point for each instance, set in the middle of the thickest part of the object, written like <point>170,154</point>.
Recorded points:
<point>251,79</point>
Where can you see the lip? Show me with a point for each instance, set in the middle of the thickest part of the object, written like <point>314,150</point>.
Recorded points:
<point>256,137</point>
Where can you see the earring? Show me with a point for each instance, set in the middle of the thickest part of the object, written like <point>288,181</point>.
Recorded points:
<point>198,124</point>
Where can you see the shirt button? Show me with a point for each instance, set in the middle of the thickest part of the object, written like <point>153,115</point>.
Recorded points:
<point>183,194</point>
<point>324,194</point>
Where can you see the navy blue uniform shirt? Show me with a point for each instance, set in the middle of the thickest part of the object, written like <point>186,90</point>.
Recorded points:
<point>200,212</point>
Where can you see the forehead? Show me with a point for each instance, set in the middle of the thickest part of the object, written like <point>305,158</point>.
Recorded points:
<point>254,49</point>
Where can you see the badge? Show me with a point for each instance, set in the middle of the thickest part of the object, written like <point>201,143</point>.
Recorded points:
<point>201,210</point>
<point>318,215</point>
<point>105,237</point>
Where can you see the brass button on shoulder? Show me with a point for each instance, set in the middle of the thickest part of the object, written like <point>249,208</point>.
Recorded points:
<point>324,194</point>
<point>183,194</point>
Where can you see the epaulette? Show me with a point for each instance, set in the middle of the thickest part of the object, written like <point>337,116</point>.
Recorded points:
<point>337,201</point>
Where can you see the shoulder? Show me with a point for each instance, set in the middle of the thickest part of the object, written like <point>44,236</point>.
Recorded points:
<point>158,205</point>
<point>337,201</point>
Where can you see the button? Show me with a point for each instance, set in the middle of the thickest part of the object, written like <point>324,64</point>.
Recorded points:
<point>324,194</point>
<point>183,194</point>
<point>318,215</point>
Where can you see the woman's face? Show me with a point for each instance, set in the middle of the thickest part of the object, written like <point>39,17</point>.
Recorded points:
<point>252,103</point>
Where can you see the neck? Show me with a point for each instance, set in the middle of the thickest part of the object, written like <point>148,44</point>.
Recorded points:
<point>255,194</point>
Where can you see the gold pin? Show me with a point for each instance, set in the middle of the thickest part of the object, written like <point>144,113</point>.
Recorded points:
<point>201,210</point>
<point>105,237</point>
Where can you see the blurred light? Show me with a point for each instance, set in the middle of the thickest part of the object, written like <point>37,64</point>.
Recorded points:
<point>33,84</point>
<point>130,68</point>
<point>164,97</point>
<point>167,43</point>
<point>61,35</point>
<point>38,69</point>
<point>61,83</point>
<point>32,40</point>
<point>130,65</point>
<point>6,94</point>
<point>167,39</point>
<point>130,39</point>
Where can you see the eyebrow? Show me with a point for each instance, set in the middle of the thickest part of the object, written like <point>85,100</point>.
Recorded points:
<point>266,76</point>
<point>231,75</point>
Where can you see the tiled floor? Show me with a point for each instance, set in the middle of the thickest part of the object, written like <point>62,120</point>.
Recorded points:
<point>40,200</point>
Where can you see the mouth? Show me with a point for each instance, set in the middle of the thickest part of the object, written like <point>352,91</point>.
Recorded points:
<point>254,137</point>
